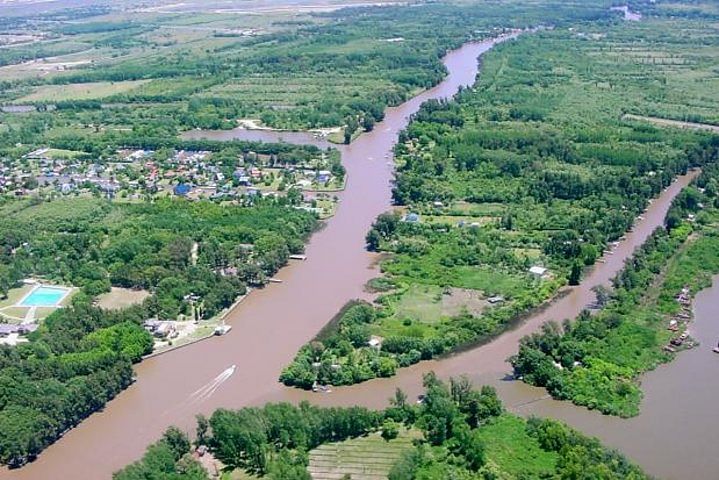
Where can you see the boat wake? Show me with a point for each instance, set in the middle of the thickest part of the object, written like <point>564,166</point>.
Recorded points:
<point>206,391</point>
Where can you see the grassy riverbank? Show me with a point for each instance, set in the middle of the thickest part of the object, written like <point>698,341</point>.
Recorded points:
<point>597,361</point>
<point>514,188</point>
<point>457,432</point>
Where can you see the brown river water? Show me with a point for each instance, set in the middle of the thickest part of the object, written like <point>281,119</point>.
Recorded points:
<point>672,438</point>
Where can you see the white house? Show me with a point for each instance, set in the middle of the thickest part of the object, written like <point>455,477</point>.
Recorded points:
<point>537,271</point>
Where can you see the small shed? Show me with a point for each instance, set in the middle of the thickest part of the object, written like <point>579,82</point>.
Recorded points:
<point>411,218</point>
<point>375,342</point>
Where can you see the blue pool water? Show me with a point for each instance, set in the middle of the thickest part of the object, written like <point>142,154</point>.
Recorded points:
<point>44,297</point>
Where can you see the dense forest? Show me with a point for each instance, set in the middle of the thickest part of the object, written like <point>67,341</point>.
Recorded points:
<point>534,166</point>
<point>596,360</point>
<point>81,355</point>
<point>464,434</point>
<point>78,361</point>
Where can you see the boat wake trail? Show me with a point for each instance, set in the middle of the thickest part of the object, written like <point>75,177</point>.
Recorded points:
<point>206,391</point>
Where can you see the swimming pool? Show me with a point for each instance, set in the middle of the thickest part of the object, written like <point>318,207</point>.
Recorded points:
<point>43,296</point>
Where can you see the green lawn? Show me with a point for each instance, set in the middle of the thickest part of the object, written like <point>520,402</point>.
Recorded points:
<point>14,295</point>
<point>422,303</point>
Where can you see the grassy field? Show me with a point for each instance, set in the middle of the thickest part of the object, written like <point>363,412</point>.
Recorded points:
<point>62,154</point>
<point>662,122</point>
<point>8,311</point>
<point>364,458</point>
<point>79,91</point>
<point>430,303</point>
<point>275,92</point>
<point>509,446</point>
<point>14,295</point>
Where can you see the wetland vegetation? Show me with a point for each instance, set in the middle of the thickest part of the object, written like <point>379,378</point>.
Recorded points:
<point>511,190</point>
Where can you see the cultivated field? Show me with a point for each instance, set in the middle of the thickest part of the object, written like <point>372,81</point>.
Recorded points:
<point>365,458</point>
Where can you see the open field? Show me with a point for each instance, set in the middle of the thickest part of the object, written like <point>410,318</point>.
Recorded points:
<point>430,303</point>
<point>80,91</point>
<point>15,295</point>
<point>118,298</point>
<point>509,446</point>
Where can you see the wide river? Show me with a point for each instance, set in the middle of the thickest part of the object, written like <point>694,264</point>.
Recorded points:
<point>671,438</point>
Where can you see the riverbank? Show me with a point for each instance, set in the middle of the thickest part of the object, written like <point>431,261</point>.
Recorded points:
<point>268,327</point>
<point>204,331</point>
<point>256,124</point>
<point>676,395</point>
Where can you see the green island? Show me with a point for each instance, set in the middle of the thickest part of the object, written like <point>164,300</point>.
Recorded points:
<point>511,190</point>
<point>456,432</point>
<point>596,360</point>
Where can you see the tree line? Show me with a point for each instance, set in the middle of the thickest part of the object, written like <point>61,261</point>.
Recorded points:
<point>456,421</point>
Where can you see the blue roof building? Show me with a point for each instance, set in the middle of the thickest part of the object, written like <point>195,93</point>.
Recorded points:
<point>182,189</point>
